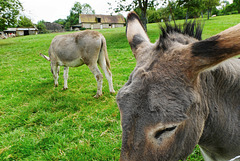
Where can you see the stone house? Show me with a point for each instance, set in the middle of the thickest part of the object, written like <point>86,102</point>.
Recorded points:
<point>54,27</point>
<point>92,21</point>
<point>21,31</point>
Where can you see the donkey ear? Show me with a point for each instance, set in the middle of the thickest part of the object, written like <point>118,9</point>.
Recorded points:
<point>136,34</point>
<point>210,52</point>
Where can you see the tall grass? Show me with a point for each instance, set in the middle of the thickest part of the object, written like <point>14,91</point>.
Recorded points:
<point>40,122</point>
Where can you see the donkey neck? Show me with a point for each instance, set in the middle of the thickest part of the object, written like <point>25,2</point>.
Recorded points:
<point>220,92</point>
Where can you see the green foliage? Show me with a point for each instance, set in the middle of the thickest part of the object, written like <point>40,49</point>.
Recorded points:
<point>78,8</point>
<point>140,6</point>
<point>24,22</point>
<point>153,16</point>
<point>41,27</point>
<point>82,9</point>
<point>228,9</point>
<point>40,122</point>
<point>164,13</point>
<point>192,7</point>
<point>234,12</point>
<point>209,4</point>
<point>67,26</point>
<point>61,21</point>
<point>9,10</point>
<point>236,4</point>
<point>72,19</point>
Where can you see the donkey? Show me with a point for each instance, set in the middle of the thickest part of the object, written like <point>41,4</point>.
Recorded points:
<point>73,50</point>
<point>183,91</point>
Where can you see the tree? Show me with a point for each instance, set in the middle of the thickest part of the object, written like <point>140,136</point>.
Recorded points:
<point>9,10</point>
<point>236,4</point>
<point>73,18</point>
<point>77,9</point>
<point>61,21</point>
<point>191,6</point>
<point>82,9</point>
<point>24,22</point>
<point>142,5</point>
<point>177,11</point>
<point>153,15</point>
<point>41,27</point>
<point>209,4</point>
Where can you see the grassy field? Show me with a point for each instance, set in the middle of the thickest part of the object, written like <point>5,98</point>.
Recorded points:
<point>40,122</point>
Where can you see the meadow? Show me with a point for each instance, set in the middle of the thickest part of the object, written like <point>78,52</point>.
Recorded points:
<point>41,122</point>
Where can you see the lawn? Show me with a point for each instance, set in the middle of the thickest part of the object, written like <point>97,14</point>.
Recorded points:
<point>40,122</point>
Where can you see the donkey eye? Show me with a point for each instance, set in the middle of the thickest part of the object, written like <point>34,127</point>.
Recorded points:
<point>160,132</point>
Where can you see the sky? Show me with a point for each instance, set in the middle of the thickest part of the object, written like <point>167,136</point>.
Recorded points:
<point>51,10</point>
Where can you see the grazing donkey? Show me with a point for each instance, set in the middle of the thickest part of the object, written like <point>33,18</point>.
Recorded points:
<point>73,50</point>
<point>179,94</point>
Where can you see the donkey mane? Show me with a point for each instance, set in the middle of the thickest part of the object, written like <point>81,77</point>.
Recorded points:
<point>191,29</point>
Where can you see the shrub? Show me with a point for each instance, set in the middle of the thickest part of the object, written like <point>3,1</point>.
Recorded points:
<point>234,12</point>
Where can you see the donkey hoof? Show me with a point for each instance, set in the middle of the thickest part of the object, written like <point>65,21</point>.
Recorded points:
<point>97,95</point>
<point>55,85</point>
<point>64,88</point>
<point>112,92</point>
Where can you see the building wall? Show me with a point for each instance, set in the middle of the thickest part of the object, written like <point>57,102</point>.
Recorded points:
<point>105,26</point>
<point>100,26</point>
<point>119,25</point>
<point>20,33</point>
<point>97,26</point>
<point>86,25</point>
<point>32,32</point>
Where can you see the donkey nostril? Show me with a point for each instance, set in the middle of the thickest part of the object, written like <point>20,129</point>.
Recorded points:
<point>160,132</point>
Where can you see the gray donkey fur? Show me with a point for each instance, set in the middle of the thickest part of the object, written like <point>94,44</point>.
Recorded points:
<point>73,50</point>
<point>183,91</point>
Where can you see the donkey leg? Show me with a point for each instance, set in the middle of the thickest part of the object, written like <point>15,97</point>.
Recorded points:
<point>99,78</point>
<point>65,77</point>
<point>107,72</point>
<point>55,71</point>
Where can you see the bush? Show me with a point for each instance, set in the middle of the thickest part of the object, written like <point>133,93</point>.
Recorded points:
<point>41,27</point>
<point>234,12</point>
<point>153,16</point>
<point>215,11</point>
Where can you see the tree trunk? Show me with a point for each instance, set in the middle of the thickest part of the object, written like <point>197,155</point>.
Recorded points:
<point>143,6</point>
<point>171,12</point>
<point>208,13</point>
<point>187,15</point>
<point>144,19</point>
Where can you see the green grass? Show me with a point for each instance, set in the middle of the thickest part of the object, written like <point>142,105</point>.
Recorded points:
<point>40,122</point>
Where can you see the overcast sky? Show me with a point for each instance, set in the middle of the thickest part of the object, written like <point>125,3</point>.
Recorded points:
<point>51,10</point>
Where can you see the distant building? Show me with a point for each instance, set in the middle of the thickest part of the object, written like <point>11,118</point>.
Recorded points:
<point>100,21</point>
<point>54,27</point>
<point>21,31</point>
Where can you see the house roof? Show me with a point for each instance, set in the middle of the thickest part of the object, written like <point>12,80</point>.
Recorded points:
<point>20,29</point>
<point>53,26</point>
<point>90,18</point>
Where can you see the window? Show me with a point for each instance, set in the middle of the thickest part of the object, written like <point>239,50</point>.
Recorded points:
<point>99,20</point>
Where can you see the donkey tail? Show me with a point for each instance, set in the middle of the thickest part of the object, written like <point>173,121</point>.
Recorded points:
<point>45,57</point>
<point>104,51</point>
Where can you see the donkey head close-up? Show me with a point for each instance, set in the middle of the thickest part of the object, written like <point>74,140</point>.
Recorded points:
<point>163,105</point>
